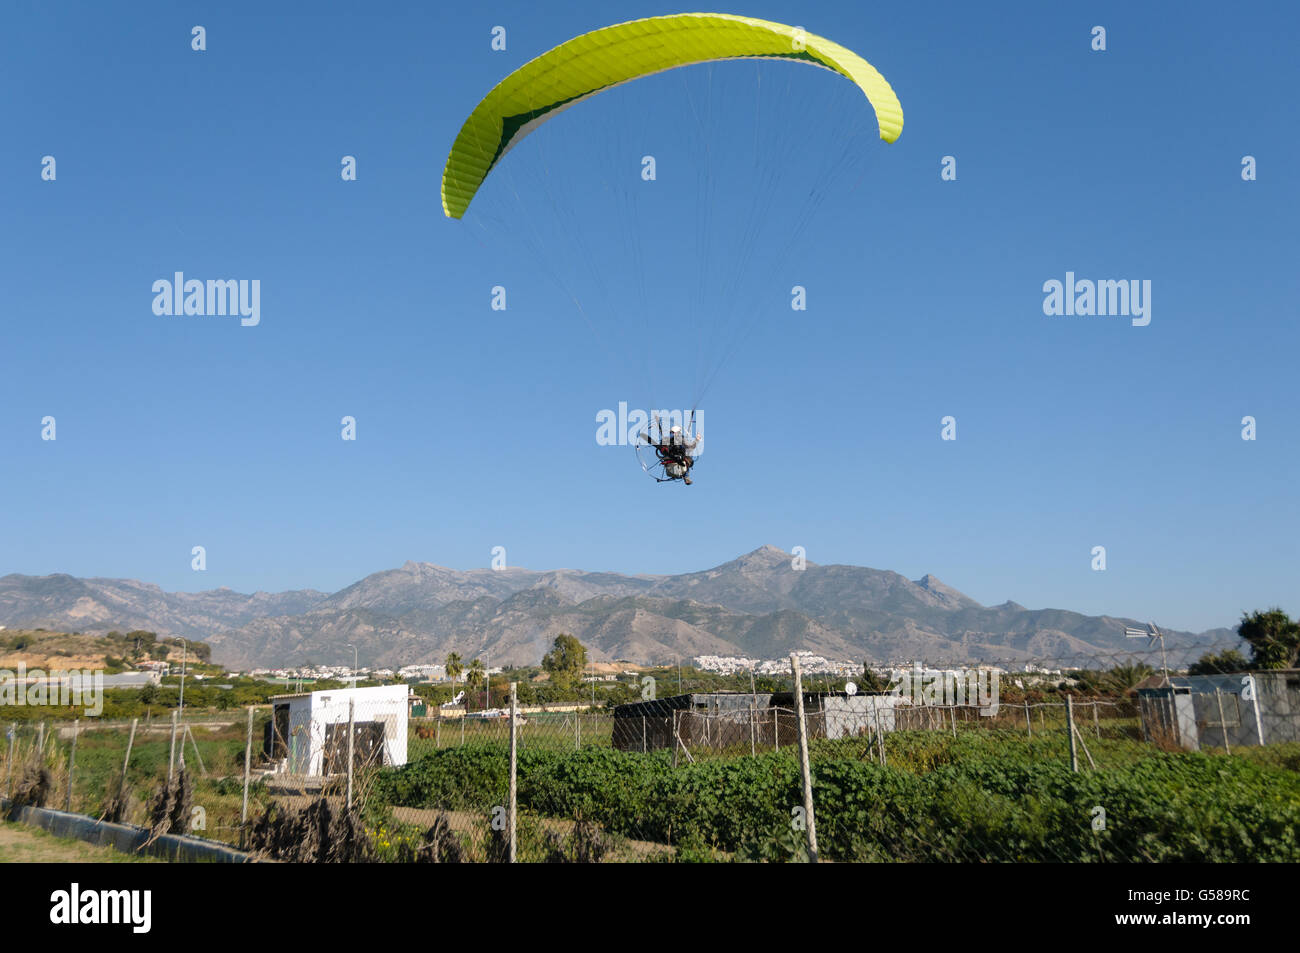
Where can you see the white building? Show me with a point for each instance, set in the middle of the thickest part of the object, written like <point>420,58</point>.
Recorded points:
<point>308,733</point>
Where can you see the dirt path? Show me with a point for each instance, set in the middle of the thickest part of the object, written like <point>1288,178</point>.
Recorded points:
<point>467,822</point>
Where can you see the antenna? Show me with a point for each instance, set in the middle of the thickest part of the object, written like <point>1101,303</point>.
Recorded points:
<point>1151,633</point>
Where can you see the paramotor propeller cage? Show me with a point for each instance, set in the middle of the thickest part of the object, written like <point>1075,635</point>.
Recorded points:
<point>651,451</point>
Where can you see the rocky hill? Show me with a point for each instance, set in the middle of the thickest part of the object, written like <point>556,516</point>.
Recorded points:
<point>758,605</point>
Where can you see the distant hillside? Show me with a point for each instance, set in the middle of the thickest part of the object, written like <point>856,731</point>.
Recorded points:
<point>67,650</point>
<point>67,603</point>
<point>758,605</point>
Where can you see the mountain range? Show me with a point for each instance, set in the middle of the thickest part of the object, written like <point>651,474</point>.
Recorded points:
<point>758,606</point>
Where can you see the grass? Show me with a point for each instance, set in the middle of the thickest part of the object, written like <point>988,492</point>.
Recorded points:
<point>21,844</point>
<point>98,773</point>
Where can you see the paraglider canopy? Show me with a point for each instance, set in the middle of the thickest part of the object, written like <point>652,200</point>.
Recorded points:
<point>672,273</point>
<point>604,58</point>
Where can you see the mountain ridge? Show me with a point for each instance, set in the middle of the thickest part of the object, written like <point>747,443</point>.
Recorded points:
<point>764,603</point>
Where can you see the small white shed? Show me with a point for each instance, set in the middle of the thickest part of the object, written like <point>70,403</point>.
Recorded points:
<point>308,733</point>
<point>849,715</point>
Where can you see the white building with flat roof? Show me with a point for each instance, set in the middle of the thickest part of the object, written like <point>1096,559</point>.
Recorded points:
<point>308,732</point>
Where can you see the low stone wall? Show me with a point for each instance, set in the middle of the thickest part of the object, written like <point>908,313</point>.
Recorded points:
<point>128,838</point>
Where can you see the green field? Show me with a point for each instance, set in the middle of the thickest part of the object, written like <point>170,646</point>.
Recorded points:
<point>979,790</point>
<point>985,795</point>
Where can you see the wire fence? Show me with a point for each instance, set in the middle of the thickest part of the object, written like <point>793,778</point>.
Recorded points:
<point>1182,769</point>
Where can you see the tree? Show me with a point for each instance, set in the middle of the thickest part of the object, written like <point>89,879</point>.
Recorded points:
<point>1221,664</point>
<point>476,675</point>
<point>1122,679</point>
<point>454,668</point>
<point>526,693</point>
<point>565,661</point>
<point>1273,637</point>
<point>871,681</point>
<point>1088,681</point>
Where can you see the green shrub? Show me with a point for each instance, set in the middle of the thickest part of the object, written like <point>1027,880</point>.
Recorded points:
<point>979,799</point>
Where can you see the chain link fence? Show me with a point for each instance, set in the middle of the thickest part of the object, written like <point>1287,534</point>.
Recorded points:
<point>1169,769</point>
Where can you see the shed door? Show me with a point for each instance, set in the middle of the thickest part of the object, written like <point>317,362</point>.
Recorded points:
<point>367,746</point>
<point>276,743</point>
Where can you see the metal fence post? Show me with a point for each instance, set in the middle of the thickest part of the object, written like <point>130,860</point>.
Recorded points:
<point>1223,726</point>
<point>437,732</point>
<point>643,735</point>
<point>187,733</point>
<point>1069,718</point>
<point>9,763</point>
<point>72,764</point>
<point>880,736</point>
<point>130,743</point>
<point>352,731</point>
<point>514,763</point>
<point>953,712</point>
<point>248,760</point>
<point>171,755</point>
<point>40,741</point>
<point>803,761</point>
<point>1096,725</point>
<point>1259,722</point>
<point>1029,721</point>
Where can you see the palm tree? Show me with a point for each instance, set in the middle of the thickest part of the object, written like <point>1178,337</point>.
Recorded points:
<point>454,668</point>
<point>476,673</point>
<point>1122,679</point>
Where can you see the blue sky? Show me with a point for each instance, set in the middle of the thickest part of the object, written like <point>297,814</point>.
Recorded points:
<point>477,428</point>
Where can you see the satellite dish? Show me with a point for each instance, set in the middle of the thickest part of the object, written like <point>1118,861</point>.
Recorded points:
<point>851,688</point>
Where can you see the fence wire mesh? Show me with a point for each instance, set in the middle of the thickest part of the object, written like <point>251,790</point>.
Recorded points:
<point>1054,766</point>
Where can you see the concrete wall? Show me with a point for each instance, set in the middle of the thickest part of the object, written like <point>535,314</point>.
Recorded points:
<point>130,839</point>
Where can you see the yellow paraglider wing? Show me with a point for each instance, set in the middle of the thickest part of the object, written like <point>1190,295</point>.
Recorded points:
<point>596,61</point>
